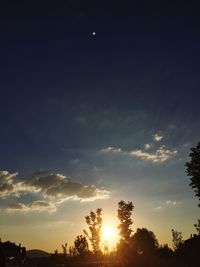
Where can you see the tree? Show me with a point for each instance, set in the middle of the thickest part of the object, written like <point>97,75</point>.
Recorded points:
<point>55,252</point>
<point>64,248</point>
<point>144,241</point>
<point>124,216</point>
<point>94,222</point>
<point>165,251</point>
<point>197,226</point>
<point>81,245</point>
<point>193,170</point>
<point>123,247</point>
<point>177,239</point>
<point>72,251</point>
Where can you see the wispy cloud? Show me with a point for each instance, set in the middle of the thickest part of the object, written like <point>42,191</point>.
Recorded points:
<point>39,205</point>
<point>112,149</point>
<point>157,137</point>
<point>147,146</point>
<point>171,203</point>
<point>158,156</point>
<point>167,204</point>
<point>159,208</point>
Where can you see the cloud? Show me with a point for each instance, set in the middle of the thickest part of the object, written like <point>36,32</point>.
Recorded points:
<point>5,176</point>
<point>6,183</point>
<point>171,203</point>
<point>158,156</point>
<point>60,187</point>
<point>147,146</point>
<point>53,188</point>
<point>157,137</point>
<point>167,204</point>
<point>10,185</point>
<point>5,189</point>
<point>39,205</point>
<point>112,149</point>
<point>158,208</point>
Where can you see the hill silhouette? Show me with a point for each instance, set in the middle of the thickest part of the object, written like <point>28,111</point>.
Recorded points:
<point>37,253</point>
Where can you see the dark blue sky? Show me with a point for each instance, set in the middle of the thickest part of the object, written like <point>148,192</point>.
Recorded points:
<point>143,57</point>
<point>90,106</point>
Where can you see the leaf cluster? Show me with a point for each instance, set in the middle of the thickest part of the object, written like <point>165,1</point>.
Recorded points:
<point>124,216</point>
<point>94,221</point>
<point>193,169</point>
<point>81,245</point>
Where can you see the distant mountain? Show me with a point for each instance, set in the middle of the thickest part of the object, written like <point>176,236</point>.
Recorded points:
<point>37,253</point>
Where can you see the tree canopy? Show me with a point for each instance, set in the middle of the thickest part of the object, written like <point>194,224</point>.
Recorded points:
<point>144,241</point>
<point>94,221</point>
<point>124,216</point>
<point>81,245</point>
<point>193,169</point>
<point>177,239</point>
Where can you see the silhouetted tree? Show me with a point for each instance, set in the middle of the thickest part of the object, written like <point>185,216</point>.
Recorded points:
<point>188,252</point>
<point>81,245</point>
<point>165,257</point>
<point>71,251</point>
<point>94,222</point>
<point>177,239</point>
<point>197,226</point>
<point>165,250</point>
<point>64,248</point>
<point>124,216</point>
<point>193,169</point>
<point>2,259</point>
<point>123,247</point>
<point>144,241</point>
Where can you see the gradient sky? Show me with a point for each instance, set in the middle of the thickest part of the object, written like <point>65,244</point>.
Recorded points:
<point>88,120</point>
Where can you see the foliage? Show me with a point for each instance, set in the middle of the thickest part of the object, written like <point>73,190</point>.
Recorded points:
<point>177,239</point>
<point>193,169</point>
<point>124,216</point>
<point>125,254</point>
<point>56,252</point>
<point>72,251</point>
<point>94,222</point>
<point>165,250</point>
<point>197,226</point>
<point>81,245</point>
<point>64,248</point>
<point>144,241</point>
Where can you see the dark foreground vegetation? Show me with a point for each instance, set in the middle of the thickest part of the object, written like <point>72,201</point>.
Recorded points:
<point>162,256</point>
<point>138,249</point>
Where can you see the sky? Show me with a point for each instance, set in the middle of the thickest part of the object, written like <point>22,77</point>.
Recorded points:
<point>99,103</point>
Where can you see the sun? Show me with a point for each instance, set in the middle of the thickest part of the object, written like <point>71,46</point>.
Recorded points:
<point>110,235</point>
<point>107,233</point>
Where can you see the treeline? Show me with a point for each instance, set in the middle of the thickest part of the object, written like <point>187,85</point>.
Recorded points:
<point>139,249</point>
